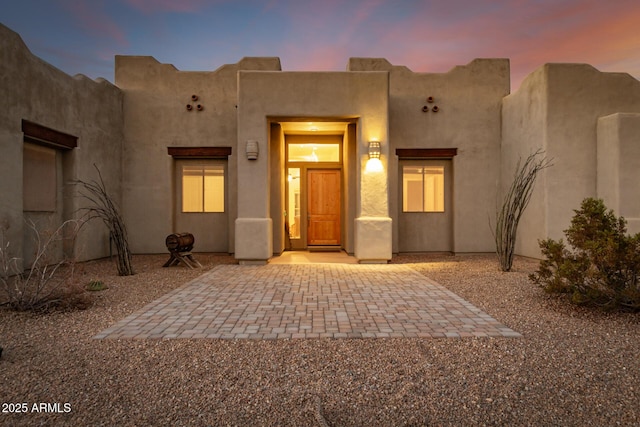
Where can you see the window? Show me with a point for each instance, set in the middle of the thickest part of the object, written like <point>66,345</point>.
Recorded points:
<point>311,152</point>
<point>423,189</point>
<point>203,188</point>
<point>39,175</point>
<point>293,208</point>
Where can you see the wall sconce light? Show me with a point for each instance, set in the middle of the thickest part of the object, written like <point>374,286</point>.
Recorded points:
<point>252,150</point>
<point>374,149</point>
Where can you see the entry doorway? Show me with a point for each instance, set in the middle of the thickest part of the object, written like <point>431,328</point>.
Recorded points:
<point>314,196</point>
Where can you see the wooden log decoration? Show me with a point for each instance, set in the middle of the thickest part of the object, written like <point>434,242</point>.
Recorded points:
<point>180,246</point>
<point>180,242</point>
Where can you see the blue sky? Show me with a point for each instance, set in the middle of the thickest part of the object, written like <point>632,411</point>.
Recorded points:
<point>83,36</point>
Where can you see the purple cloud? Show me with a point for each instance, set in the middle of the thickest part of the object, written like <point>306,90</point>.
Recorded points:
<point>93,19</point>
<point>156,6</point>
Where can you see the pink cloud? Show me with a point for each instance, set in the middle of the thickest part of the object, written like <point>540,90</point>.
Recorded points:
<point>530,34</point>
<point>600,36</point>
<point>314,57</point>
<point>326,33</point>
<point>91,17</point>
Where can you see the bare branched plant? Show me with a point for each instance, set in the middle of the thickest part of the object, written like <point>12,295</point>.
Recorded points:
<point>514,204</point>
<point>48,281</point>
<point>104,208</point>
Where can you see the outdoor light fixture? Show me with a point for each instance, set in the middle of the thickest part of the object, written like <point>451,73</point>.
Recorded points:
<point>374,164</point>
<point>252,150</point>
<point>374,149</point>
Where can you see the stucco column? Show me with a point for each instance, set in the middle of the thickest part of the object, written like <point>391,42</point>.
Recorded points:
<point>254,229</point>
<point>373,226</point>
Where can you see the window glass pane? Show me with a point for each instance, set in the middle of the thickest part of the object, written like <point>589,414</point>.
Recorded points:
<point>314,152</point>
<point>293,202</point>
<point>203,188</point>
<point>412,189</point>
<point>434,189</point>
<point>192,188</point>
<point>423,189</point>
<point>214,189</point>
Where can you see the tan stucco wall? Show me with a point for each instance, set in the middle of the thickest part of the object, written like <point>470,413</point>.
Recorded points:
<point>524,118</point>
<point>469,98</point>
<point>618,159</point>
<point>35,91</point>
<point>557,109</point>
<point>155,102</point>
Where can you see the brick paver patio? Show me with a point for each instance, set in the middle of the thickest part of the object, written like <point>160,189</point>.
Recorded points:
<point>309,301</point>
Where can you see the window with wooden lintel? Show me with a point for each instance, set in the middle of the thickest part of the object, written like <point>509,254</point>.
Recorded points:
<point>202,178</point>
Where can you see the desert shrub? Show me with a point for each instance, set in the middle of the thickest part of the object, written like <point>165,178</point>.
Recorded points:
<point>602,266</point>
<point>47,283</point>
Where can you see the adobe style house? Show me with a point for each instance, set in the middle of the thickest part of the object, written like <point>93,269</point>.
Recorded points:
<point>254,160</point>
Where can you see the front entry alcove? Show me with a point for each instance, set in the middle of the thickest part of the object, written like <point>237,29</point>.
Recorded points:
<point>312,182</point>
<point>348,108</point>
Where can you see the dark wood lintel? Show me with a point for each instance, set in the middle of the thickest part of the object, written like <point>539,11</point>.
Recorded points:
<point>202,152</point>
<point>43,135</point>
<point>426,153</point>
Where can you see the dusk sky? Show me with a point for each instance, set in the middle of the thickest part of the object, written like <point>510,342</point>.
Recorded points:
<point>83,36</point>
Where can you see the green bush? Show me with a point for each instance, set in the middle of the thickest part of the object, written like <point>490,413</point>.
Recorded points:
<point>603,266</point>
<point>96,285</point>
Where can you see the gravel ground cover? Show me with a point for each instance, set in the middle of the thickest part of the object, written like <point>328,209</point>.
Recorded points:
<point>572,366</point>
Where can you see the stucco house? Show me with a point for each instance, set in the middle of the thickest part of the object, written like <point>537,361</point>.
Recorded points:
<point>254,160</point>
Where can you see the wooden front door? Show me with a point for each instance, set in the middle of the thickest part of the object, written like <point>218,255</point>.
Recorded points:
<point>323,208</point>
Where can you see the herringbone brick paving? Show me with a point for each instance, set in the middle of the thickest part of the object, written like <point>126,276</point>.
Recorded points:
<point>309,301</point>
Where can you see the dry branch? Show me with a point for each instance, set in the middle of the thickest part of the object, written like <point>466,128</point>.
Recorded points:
<point>103,207</point>
<point>513,205</point>
<point>47,281</point>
